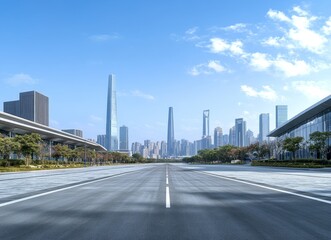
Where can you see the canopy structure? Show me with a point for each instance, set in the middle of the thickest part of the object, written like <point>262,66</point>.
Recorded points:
<point>302,117</point>
<point>15,125</point>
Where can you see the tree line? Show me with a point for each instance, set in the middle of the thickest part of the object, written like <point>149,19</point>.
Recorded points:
<point>317,143</point>
<point>31,147</point>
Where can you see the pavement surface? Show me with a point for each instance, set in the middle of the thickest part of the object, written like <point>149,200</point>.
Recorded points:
<point>166,201</point>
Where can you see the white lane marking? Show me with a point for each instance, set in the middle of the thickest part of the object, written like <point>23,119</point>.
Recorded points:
<point>167,197</point>
<point>167,181</point>
<point>270,188</point>
<point>58,190</point>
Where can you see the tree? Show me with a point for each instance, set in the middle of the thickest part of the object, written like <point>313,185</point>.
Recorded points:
<point>29,145</point>
<point>61,151</point>
<point>318,142</point>
<point>8,146</point>
<point>137,157</point>
<point>292,144</point>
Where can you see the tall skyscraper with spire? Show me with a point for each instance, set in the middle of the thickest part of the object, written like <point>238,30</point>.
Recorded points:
<point>171,136</point>
<point>111,124</point>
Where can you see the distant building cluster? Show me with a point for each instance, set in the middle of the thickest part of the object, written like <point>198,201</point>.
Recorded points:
<point>34,106</point>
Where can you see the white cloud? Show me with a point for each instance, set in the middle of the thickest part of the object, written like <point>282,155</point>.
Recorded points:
<point>216,66</point>
<point>266,93</point>
<point>103,37</point>
<point>21,78</point>
<point>239,27</point>
<point>191,30</point>
<point>277,15</point>
<point>137,93</point>
<point>219,45</point>
<point>273,41</point>
<point>292,69</point>
<point>327,27</point>
<point>207,68</point>
<point>259,61</point>
<point>312,89</point>
<point>300,11</point>
<point>300,33</point>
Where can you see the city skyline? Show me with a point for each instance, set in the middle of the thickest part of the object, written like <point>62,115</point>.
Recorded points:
<point>237,65</point>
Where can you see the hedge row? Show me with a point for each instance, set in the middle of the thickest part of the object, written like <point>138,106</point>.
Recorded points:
<point>297,163</point>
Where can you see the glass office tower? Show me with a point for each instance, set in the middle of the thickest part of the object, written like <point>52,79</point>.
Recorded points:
<point>111,124</point>
<point>171,136</point>
<point>124,138</point>
<point>281,115</point>
<point>264,127</point>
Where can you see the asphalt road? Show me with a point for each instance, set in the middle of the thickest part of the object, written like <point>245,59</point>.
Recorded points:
<point>134,204</point>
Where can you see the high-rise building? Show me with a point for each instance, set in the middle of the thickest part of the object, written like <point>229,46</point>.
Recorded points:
<point>171,136</point>
<point>205,126</point>
<point>101,139</point>
<point>225,139</point>
<point>124,138</point>
<point>249,137</point>
<point>32,106</point>
<point>264,127</point>
<point>218,137</point>
<point>281,115</point>
<point>111,124</point>
<point>232,136</point>
<point>75,132</point>
<point>240,131</point>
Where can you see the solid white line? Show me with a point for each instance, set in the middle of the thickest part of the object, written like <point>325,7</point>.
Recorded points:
<point>167,197</point>
<point>58,190</point>
<point>270,188</point>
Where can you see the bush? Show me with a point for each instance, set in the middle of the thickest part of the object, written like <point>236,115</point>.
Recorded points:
<point>11,163</point>
<point>297,163</point>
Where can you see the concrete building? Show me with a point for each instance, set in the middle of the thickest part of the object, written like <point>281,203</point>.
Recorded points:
<point>76,132</point>
<point>11,125</point>
<point>31,105</point>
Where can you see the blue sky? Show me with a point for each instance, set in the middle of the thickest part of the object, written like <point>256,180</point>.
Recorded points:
<point>235,58</point>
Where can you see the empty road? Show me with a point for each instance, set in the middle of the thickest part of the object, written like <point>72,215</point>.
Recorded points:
<point>166,201</point>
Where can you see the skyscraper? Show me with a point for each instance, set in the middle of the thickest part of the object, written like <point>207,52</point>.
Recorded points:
<point>205,127</point>
<point>101,139</point>
<point>32,106</point>
<point>264,127</point>
<point>111,124</point>
<point>171,136</point>
<point>240,131</point>
<point>281,115</point>
<point>218,137</point>
<point>124,138</point>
